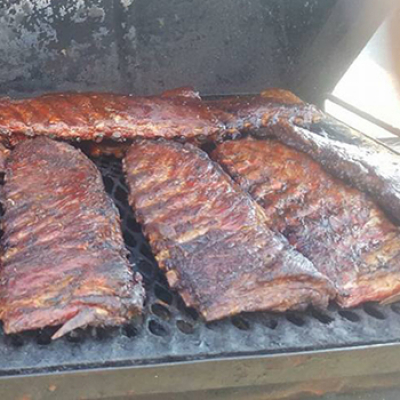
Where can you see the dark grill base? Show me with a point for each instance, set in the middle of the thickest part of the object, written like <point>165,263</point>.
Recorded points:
<point>169,331</point>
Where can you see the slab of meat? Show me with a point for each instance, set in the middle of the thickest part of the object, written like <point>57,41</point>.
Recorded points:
<point>93,116</point>
<point>337,227</point>
<point>251,113</point>
<point>64,261</point>
<point>210,237</point>
<point>344,152</point>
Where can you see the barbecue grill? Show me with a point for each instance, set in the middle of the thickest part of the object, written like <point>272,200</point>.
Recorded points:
<point>144,47</point>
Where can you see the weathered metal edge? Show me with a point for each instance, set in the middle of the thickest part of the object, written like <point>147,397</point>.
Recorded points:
<point>346,367</point>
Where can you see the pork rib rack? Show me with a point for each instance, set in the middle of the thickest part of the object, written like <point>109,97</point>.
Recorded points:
<point>95,116</point>
<point>64,260</point>
<point>342,151</point>
<point>210,237</point>
<point>341,230</point>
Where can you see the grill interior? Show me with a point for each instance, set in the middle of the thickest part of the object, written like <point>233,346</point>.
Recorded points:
<point>168,331</point>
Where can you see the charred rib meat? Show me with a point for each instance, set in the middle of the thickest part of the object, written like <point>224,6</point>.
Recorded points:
<point>342,151</point>
<point>210,238</point>
<point>94,116</point>
<point>64,260</point>
<point>337,227</point>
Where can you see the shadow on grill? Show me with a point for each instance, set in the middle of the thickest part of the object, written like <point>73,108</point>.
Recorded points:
<point>163,294</point>
<point>185,327</point>
<point>395,308</point>
<point>321,317</point>
<point>76,336</point>
<point>295,318</point>
<point>130,330</point>
<point>349,315</point>
<point>240,323</point>
<point>268,321</point>
<point>161,311</point>
<point>158,329</point>
<point>373,311</point>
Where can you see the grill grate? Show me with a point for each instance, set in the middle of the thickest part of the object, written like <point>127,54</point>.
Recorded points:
<point>170,331</point>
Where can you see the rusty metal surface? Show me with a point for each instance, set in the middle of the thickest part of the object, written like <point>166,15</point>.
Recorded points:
<point>146,46</point>
<point>265,393</point>
<point>284,376</point>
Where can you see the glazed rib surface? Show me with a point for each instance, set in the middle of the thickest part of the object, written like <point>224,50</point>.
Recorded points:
<point>344,152</point>
<point>210,238</point>
<point>342,231</point>
<point>94,116</point>
<point>64,260</point>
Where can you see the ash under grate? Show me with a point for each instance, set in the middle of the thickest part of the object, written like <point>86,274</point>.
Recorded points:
<point>170,331</point>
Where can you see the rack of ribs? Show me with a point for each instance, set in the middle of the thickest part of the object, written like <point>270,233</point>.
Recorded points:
<point>341,230</point>
<point>341,150</point>
<point>64,261</point>
<point>178,113</point>
<point>210,238</point>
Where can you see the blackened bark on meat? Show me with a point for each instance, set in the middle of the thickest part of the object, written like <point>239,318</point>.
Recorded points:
<point>341,230</point>
<point>64,260</point>
<point>210,237</point>
<point>344,152</point>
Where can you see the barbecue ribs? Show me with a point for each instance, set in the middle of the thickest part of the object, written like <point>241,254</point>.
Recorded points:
<point>210,238</point>
<point>337,227</point>
<point>93,116</point>
<point>344,152</point>
<point>64,260</point>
